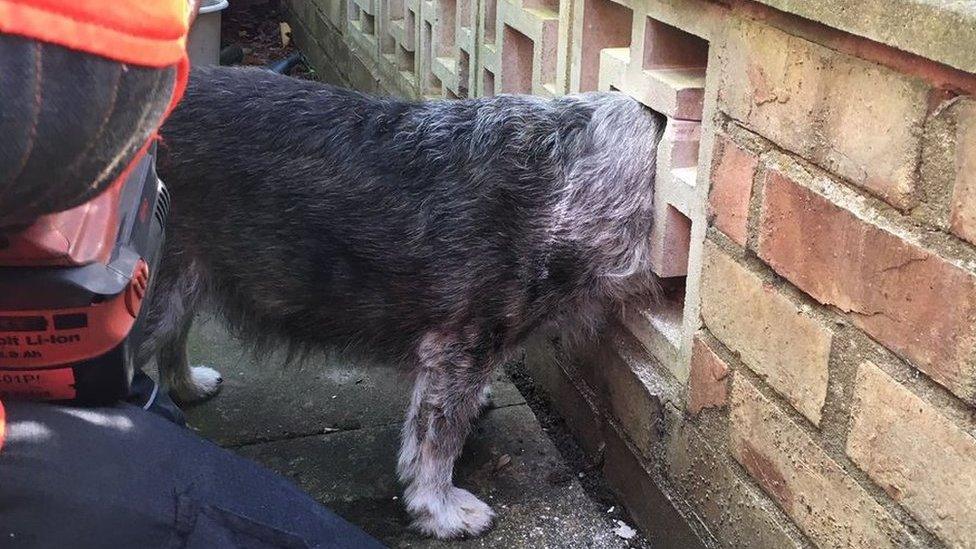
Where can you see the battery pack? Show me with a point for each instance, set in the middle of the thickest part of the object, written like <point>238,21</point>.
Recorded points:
<point>71,291</point>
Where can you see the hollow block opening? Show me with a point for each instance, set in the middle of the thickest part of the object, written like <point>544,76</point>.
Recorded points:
<point>669,256</point>
<point>489,83</point>
<point>445,27</point>
<point>432,84</point>
<point>517,54</point>
<point>666,317</point>
<point>464,13</point>
<point>671,246</point>
<point>387,44</point>
<point>463,68</point>
<point>551,5</point>
<point>667,47</point>
<point>397,9</point>
<point>674,68</point>
<point>491,13</point>
<point>408,26</point>
<point>606,24</point>
<point>369,23</point>
<point>405,60</point>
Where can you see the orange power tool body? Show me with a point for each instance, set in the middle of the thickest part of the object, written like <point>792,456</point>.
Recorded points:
<point>72,287</point>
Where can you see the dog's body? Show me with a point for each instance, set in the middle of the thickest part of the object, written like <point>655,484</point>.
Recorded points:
<point>439,234</point>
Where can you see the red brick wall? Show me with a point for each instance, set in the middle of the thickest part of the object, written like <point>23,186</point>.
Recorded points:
<point>838,279</point>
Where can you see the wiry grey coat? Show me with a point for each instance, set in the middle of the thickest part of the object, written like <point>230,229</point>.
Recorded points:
<point>437,233</point>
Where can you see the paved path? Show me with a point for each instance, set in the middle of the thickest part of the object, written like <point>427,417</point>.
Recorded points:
<point>333,426</point>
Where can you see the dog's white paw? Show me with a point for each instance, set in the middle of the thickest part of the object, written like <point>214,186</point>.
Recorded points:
<point>484,399</point>
<point>449,515</point>
<point>204,383</point>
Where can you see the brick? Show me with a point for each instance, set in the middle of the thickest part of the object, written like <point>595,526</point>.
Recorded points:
<point>674,197</point>
<point>914,302</point>
<point>670,242</point>
<point>920,458</point>
<point>830,507</point>
<point>544,361</point>
<point>964,195</point>
<point>707,383</point>
<point>854,118</point>
<point>620,389</point>
<point>772,336</point>
<point>735,513</point>
<point>652,509</point>
<point>632,402</point>
<point>733,170</point>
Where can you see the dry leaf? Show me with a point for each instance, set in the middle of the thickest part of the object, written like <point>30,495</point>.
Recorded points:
<point>285,30</point>
<point>503,461</point>
<point>624,531</point>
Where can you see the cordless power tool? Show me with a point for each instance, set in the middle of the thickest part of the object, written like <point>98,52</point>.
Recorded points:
<point>72,285</point>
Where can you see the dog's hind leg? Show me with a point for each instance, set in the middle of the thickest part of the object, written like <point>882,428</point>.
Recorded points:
<point>187,383</point>
<point>446,398</point>
<point>174,302</point>
<point>484,399</point>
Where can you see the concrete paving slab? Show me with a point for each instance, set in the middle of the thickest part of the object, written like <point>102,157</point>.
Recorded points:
<point>333,427</point>
<point>352,472</point>
<point>263,398</point>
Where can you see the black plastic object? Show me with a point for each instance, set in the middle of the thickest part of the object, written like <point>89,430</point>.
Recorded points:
<point>284,66</point>
<point>148,395</point>
<point>231,55</point>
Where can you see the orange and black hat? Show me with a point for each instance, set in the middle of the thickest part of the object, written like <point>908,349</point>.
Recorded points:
<point>84,85</point>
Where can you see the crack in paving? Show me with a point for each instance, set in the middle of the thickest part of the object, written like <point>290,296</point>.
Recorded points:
<point>321,432</point>
<point>326,431</point>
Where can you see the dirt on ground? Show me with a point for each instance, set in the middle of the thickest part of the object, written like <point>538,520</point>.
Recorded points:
<point>578,464</point>
<point>255,27</point>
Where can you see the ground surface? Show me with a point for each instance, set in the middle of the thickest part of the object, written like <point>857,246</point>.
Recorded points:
<point>333,427</point>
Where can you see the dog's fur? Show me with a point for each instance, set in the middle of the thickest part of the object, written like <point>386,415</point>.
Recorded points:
<point>439,234</point>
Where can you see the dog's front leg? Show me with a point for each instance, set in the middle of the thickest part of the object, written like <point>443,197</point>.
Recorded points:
<point>446,398</point>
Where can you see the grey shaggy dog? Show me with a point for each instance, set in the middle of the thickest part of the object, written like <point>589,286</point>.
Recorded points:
<point>439,234</point>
